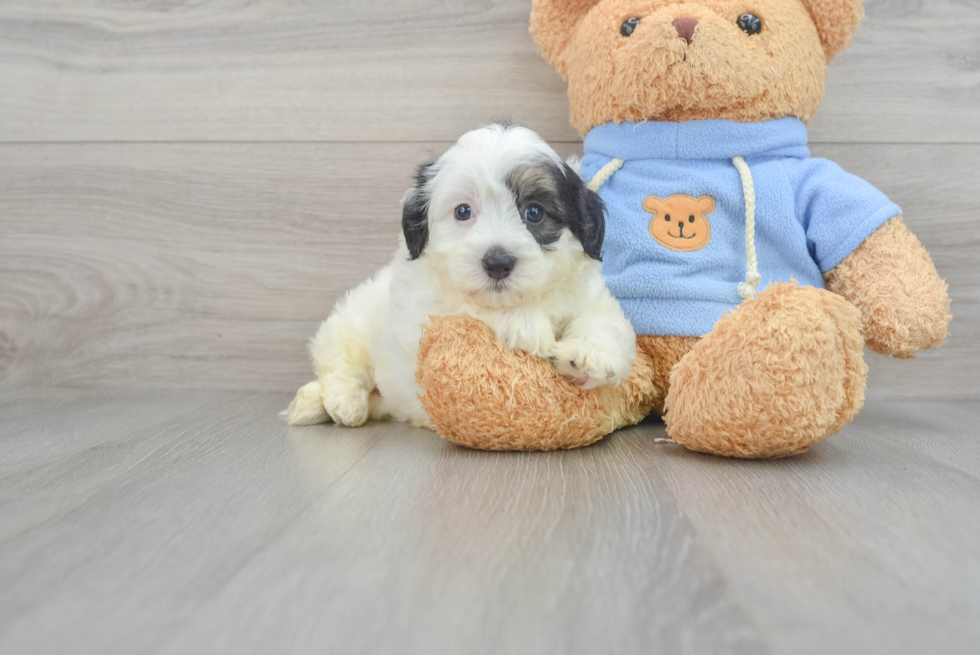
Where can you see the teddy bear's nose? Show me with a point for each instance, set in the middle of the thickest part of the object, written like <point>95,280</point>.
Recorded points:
<point>685,27</point>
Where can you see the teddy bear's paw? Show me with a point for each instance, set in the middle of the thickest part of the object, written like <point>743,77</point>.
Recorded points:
<point>891,279</point>
<point>779,374</point>
<point>347,405</point>
<point>307,407</point>
<point>585,365</point>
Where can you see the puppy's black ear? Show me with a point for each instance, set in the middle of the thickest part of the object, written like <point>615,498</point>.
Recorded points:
<point>587,218</point>
<point>415,211</point>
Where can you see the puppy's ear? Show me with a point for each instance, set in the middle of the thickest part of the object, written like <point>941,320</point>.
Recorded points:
<point>836,22</point>
<point>587,218</point>
<point>553,23</point>
<point>415,211</point>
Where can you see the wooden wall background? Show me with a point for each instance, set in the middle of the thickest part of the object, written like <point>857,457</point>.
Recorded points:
<point>186,186</point>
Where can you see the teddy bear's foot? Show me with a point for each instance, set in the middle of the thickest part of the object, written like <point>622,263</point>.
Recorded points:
<point>777,375</point>
<point>480,394</point>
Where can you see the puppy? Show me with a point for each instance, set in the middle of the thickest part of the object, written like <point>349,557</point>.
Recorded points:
<point>501,229</point>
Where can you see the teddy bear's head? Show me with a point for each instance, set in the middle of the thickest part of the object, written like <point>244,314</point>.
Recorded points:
<point>741,60</point>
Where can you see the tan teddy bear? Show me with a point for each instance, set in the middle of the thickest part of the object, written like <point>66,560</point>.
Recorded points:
<point>754,274</point>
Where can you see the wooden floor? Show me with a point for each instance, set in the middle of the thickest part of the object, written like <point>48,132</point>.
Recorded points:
<point>196,521</point>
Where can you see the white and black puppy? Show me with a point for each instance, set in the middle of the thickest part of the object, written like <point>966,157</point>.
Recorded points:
<point>501,229</point>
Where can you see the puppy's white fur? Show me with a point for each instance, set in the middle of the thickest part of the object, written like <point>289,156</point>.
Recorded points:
<point>554,304</point>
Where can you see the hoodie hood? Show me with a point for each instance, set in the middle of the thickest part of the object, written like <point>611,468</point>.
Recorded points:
<point>693,140</point>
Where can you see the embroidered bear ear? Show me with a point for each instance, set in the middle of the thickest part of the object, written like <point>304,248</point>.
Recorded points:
<point>553,23</point>
<point>652,204</point>
<point>836,22</point>
<point>706,205</point>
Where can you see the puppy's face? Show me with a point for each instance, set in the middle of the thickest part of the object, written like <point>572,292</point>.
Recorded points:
<point>500,217</point>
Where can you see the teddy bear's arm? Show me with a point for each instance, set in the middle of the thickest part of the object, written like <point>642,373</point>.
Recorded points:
<point>891,279</point>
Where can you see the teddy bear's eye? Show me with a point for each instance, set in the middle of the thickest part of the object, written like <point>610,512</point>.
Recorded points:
<point>749,23</point>
<point>628,26</point>
<point>667,218</point>
<point>690,219</point>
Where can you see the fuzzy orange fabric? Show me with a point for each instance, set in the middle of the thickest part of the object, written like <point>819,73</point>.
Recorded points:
<point>777,375</point>
<point>780,373</point>
<point>836,21</point>
<point>480,394</point>
<point>892,280</point>
<point>726,74</point>
<point>664,353</point>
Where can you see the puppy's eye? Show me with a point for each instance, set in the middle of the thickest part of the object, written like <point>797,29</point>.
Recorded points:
<point>628,26</point>
<point>533,213</point>
<point>749,23</point>
<point>463,213</point>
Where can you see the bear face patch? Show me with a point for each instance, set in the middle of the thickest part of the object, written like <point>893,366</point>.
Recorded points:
<point>680,222</point>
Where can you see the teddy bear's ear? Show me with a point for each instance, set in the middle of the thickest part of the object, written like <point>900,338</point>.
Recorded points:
<point>836,22</point>
<point>553,23</point>
<point>706,204</point>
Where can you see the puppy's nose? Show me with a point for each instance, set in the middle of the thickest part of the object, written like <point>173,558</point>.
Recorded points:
<point>499,264</point>
<point>685,28</point>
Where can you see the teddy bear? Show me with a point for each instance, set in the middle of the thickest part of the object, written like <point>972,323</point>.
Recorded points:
<point>754,275</point>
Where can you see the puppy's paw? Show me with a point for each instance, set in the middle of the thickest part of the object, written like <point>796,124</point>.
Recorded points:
<point>528,331</point>
<point>422,423</point>
<point>307,407</point>
<point>350,407</point>
<point>585,365</point>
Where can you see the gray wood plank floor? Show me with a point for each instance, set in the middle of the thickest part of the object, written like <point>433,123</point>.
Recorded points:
<point>196,521</point>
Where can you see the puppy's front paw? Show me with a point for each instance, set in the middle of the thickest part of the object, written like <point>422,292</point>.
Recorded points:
<point>422,423</point>
<point>350,407</point>
<point>527,331</point>
<point>585,365</point>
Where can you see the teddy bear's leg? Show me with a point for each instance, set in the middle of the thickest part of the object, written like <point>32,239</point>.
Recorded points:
<point>663,352</point>
<point>481,394</point>
<point>772,378</point>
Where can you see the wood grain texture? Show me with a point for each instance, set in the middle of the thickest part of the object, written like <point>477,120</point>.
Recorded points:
<point>189,521</point>
<point>877,524</point>
<point>174,265</point>
<point>198,522</point>
<point>409,70</point>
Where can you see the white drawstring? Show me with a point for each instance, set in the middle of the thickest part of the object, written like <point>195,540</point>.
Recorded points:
<point>752,278</point>
<point>748,288</point>
<point>604,174</point>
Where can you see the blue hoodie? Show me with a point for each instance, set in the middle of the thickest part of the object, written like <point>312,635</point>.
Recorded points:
<point>809,215</point>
